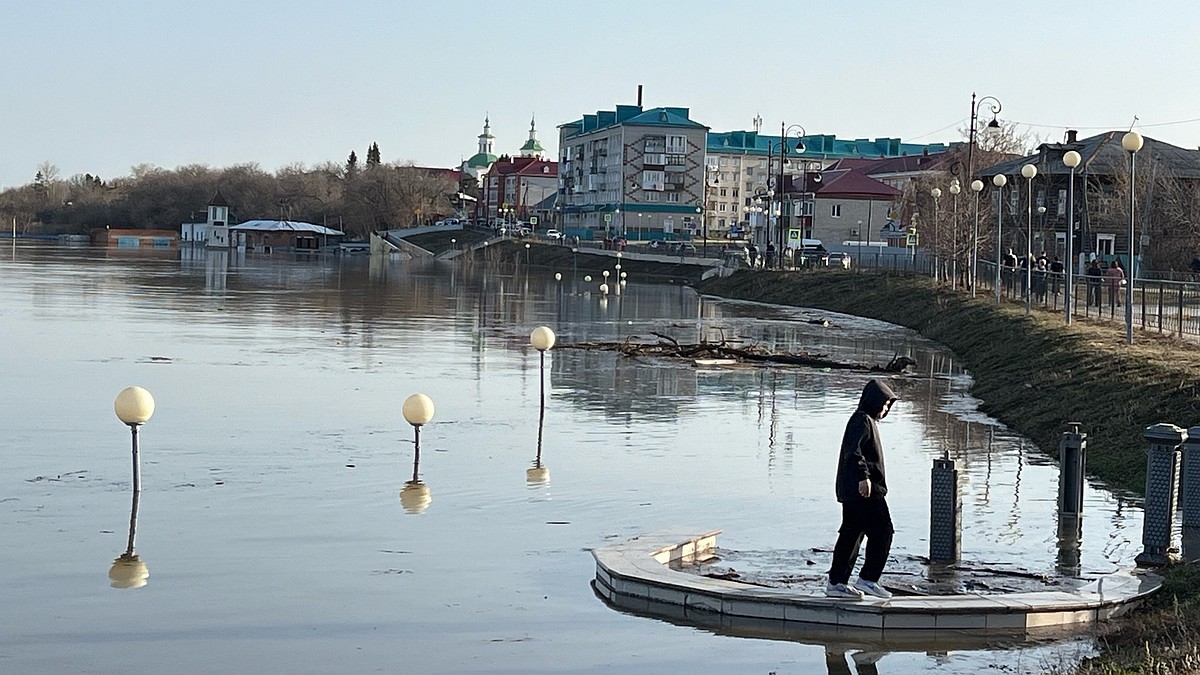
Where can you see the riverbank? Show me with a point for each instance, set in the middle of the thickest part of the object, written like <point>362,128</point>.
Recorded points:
<point>586,261</point>
<point>1035,374</point>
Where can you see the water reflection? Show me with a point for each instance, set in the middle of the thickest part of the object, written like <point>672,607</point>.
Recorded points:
<point>129,570</point>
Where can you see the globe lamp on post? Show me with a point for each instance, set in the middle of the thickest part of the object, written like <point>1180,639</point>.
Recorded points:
<point>417,410</point>
<point>1132,143</point>
<point>976,187</point>
<point>999,180</point>
<point>936,193</point>
<point>955,189</point>
<point>542,339</point>
<point>1029,171</point>
<point>1072,159</point>
<point>134,407</point>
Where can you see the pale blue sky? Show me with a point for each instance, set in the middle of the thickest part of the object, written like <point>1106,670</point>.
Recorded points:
<point>99,87</point>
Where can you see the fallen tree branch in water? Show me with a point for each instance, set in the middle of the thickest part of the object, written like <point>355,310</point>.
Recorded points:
<point>669,347</point>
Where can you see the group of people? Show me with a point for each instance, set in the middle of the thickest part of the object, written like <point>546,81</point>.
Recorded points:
<point>1046,276</point>
<point>1098,278</point>
<point>754,257</point>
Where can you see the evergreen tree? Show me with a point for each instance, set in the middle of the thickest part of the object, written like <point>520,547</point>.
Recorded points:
<point>352,165</point>
<point>373,158</point>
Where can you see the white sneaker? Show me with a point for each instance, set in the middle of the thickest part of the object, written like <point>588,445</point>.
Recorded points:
<point>871,588</point>
<point>842,591</point>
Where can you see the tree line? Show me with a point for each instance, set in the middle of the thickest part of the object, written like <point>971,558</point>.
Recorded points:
<point>352,198</point>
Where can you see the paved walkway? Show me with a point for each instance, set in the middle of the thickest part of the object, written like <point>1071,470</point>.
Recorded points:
<point>636,575</point>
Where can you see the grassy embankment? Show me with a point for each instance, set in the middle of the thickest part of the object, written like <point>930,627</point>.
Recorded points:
<point>551,257</point>
<point>1035,374</point>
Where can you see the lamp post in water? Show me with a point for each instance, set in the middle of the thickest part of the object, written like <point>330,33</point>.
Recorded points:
<point>542,339</point>
<point>418,410</point>
<point>134,407</point>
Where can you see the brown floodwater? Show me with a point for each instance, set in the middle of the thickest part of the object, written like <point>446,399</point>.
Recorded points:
<point>270,521</point>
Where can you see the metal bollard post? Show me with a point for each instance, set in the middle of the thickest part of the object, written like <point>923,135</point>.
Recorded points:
<point>1072,460</point>
<point>1189,493</point>
<point>1162,476</point>
<point>945,513</point>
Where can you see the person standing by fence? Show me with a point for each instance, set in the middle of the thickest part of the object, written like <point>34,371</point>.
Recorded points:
<point>1116,279</point>
<point>1094,274</point>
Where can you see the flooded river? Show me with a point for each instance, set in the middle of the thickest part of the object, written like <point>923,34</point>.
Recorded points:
<point>269,517</point>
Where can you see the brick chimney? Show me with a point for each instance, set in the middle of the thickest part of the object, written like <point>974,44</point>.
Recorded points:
<point>1071,136</point>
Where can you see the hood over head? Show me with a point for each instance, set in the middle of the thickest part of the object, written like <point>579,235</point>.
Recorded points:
<point>874,395</point>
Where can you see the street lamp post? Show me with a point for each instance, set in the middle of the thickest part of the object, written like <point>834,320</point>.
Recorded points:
<point>1131,142</point>
<point>993,104</point>
<point>999,181</point>
<point>954,190</point>
<point>1029,171</point>
<point>713,177</point>
<point>936,193</point>
<point>784,131</point>
<point>134,407</point>
<point>1072,159</point>
<point>417,410</point>
<point>976,187</point>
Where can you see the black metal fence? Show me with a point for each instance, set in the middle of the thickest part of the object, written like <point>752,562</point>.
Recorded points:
<point>1168,307</point>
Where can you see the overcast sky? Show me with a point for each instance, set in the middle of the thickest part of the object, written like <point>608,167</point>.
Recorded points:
<point>99,87</point>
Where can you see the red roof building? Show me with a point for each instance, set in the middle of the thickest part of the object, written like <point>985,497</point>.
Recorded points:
<point>514,187</point>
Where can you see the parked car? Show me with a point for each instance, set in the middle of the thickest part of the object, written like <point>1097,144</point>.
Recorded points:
<point>554,234</point>
<point>838,260</point>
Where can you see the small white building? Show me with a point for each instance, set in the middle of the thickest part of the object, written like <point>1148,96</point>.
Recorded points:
<point>214,232</point>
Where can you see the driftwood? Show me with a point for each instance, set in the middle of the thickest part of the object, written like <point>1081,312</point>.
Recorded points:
<point>669,347</point>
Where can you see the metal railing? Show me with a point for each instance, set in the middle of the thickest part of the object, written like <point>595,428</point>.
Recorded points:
<point>1165,306</point>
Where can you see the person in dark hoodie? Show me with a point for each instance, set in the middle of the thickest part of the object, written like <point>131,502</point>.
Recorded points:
<point>862,492</point>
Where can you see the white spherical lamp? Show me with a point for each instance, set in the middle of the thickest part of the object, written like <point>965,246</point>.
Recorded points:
<point>977,185</point>
<point>999,180</point>
<point>134,406</point>
<point>1132,141</point>
<point>542,338</point>
<point>1071,159</point>
<point>418,409</point>
<point>1029,171</point>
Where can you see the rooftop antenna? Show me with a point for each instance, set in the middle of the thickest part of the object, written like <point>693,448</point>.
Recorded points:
<point>757,122</point>
<point>1134,122</point>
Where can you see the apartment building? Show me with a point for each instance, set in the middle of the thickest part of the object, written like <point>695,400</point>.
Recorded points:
<point>743,200</point>
<point>633,173</point>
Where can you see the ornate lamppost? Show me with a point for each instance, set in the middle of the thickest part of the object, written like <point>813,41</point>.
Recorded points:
<point>1029,171</point>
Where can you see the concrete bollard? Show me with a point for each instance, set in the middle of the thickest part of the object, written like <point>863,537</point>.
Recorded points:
<point>1162,487</point>
<point>945,513</point>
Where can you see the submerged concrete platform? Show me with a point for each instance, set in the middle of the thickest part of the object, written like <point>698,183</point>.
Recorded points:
<point>636,575</point>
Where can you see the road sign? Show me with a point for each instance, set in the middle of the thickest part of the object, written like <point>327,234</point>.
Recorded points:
<point>533,220</point>
<point>608,217</point>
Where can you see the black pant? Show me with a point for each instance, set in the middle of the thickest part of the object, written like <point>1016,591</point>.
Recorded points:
<point>862,517</point>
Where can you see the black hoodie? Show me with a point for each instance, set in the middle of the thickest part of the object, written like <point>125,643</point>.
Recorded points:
<point>861,455</point>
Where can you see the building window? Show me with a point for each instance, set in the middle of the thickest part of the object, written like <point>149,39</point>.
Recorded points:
<point>721,207</point>
<point>677,144</point>
<point>723,192</point>
<point>653,180</point>
<point>650,196</point>
<point>835,211</point>
<point>735,192</point>
<point>673,197</point>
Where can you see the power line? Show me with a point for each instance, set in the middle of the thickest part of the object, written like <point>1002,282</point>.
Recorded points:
<point>1112,126</point>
